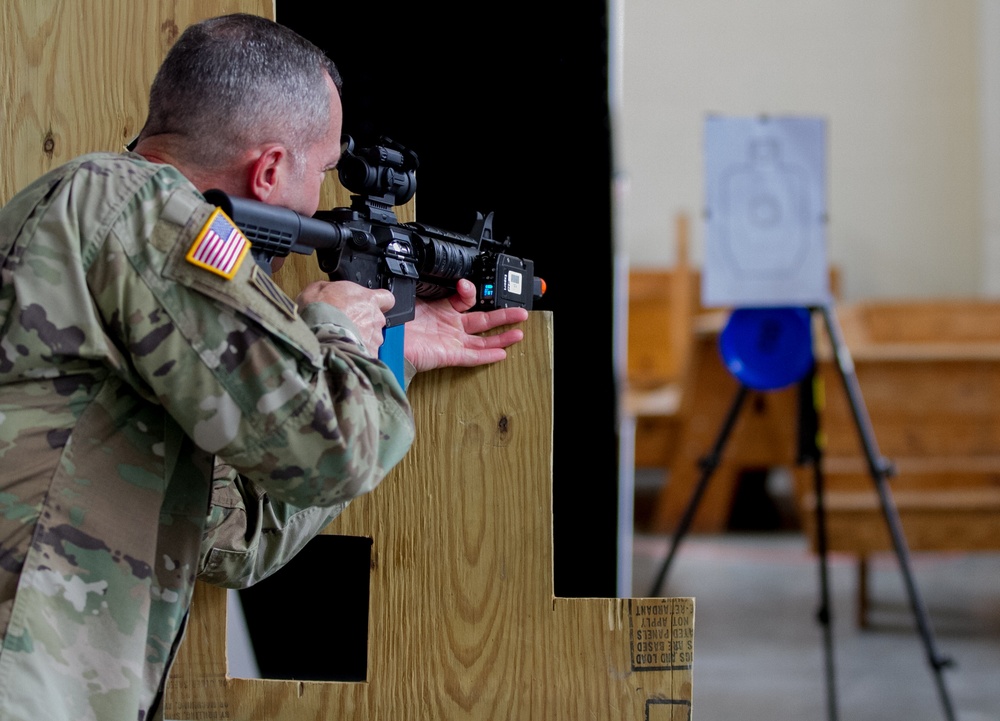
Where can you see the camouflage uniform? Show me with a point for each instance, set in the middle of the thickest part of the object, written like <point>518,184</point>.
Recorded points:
<point>125,366</point>
<point>249,536</point>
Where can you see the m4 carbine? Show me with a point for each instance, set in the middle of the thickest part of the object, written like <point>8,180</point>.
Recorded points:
<point>366,244</point>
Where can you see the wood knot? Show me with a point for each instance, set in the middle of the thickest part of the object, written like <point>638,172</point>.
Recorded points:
<point>170,31</point>
<point>49,144</point>
<point>502,424</point>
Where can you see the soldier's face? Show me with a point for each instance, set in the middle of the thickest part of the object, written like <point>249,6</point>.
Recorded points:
<point>301,185</point>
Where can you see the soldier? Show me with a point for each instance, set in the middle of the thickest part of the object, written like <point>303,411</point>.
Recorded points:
<point>132,361</point>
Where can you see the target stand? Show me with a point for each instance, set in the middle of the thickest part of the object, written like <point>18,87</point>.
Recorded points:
<point>769,348</point>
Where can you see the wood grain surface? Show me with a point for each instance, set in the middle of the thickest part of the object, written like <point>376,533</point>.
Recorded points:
<point>463,623</point>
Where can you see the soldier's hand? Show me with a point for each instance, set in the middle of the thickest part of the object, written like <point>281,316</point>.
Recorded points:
<point>443,334</point>
<point>366,307</point>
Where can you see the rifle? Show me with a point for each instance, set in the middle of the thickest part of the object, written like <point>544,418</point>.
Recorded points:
<point>365,243</point>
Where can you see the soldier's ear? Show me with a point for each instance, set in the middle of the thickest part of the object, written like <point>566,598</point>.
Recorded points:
<point>269,171</point>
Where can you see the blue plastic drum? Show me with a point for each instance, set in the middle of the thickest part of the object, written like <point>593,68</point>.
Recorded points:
<point>767,348</point>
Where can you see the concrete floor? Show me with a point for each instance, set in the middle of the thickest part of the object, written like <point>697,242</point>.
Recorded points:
<point>760,651</point>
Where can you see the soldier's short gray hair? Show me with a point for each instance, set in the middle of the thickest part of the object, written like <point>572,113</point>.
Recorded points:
<point>236,81</point>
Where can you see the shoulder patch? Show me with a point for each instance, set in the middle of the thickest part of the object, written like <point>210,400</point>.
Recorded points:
<point>220,246</point>
<point>263,282</point>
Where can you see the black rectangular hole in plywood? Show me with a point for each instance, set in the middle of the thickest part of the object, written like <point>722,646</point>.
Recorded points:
<point>309,620</point>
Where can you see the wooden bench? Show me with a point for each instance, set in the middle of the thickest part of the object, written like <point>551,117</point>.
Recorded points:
<point>929,375</point>
<point>679,420</point>
<point>661,309</point>
<point>763,436</point>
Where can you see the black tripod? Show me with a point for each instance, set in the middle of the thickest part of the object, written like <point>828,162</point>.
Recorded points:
<point>809,451</point>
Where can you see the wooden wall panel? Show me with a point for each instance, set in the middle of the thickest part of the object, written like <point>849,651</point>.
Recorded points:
<point>74,76</point>
<point>463,622</point>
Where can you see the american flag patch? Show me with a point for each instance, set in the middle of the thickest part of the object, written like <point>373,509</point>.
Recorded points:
<point>220,246</point>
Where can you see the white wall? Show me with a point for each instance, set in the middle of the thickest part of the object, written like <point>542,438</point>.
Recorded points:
<point>989,114</point>
<point>912,198</point>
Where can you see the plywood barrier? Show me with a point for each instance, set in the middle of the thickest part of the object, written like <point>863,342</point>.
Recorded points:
<point>463,623</point>
<point>76,75</point>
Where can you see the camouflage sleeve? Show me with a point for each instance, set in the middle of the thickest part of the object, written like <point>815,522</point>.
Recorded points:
<point>248,536</point>
<point>290,398</point>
